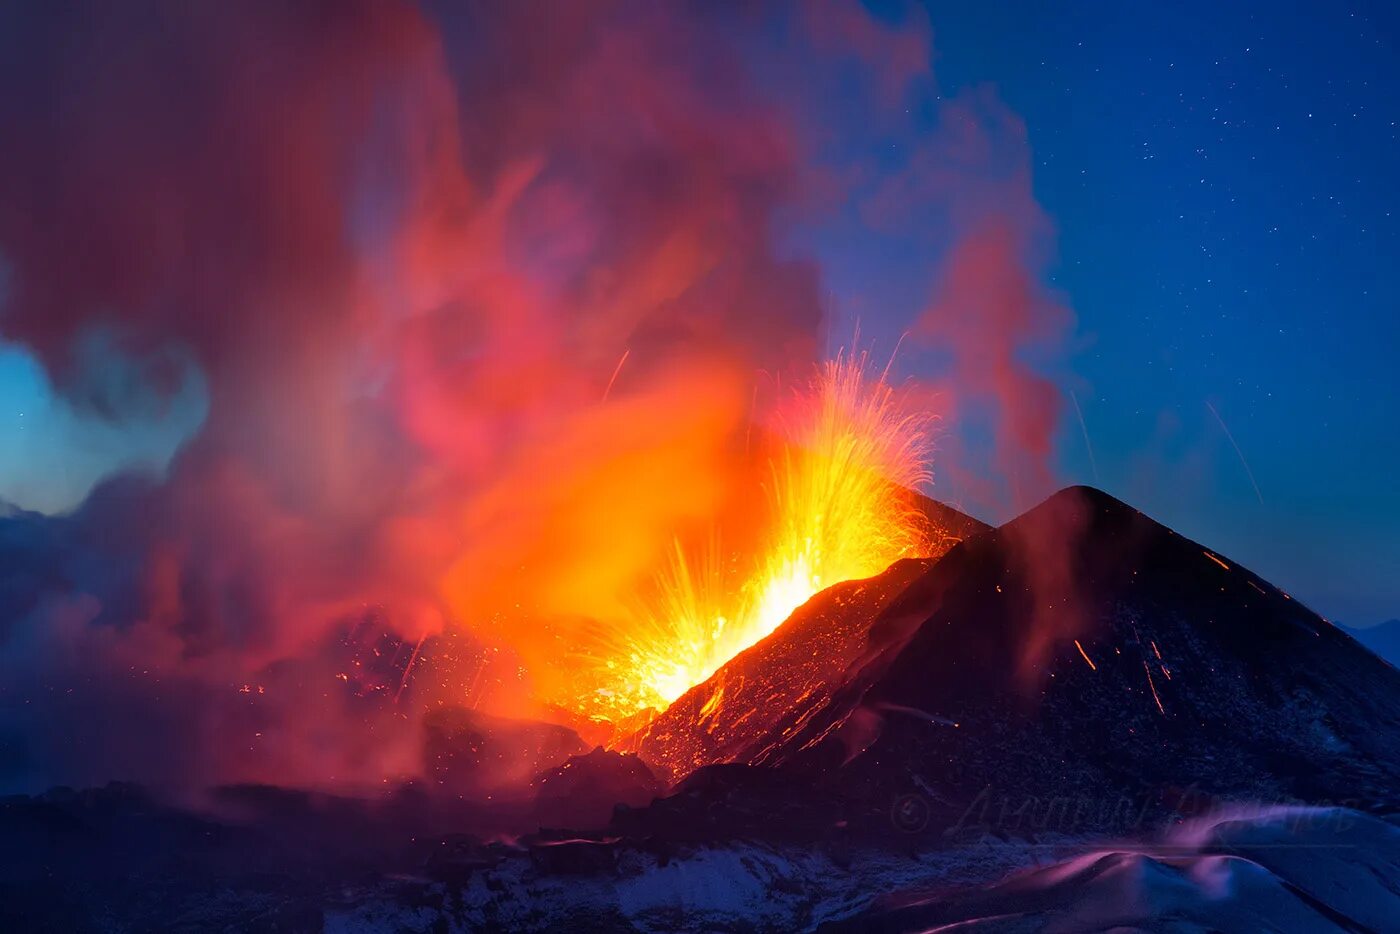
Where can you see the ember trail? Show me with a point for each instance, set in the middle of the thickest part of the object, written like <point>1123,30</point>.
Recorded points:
<point>839,505</point>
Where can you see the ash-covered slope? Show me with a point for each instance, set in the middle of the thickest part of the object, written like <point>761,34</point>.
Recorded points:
<point>1080,658</point>
<point>792,673</point>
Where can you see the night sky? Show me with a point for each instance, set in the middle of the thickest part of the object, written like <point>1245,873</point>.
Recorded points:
<point>1223,185</point>
<point>1224,178</point>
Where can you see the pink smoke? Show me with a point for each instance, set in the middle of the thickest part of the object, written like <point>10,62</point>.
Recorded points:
<point>406,254</point>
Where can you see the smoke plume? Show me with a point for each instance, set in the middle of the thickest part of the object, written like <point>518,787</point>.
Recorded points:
<point>477,297</point>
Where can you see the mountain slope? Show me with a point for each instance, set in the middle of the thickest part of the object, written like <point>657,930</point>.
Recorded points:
<point>1083,655</point>
<point>790,673</point>
<point>778,681</point>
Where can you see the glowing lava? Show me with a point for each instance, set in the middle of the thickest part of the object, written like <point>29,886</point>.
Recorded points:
<point>841,508</point>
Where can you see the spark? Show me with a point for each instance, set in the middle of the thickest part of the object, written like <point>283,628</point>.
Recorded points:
<point>1086,655</point>
<point>408,669</point>
<point>1085,430</point>
<point>839,509</point>
<point>616,370</point>
<point>1236,446</point>
<point>1216,560</point>
<point>885,373</point>
<point>1153,686</point>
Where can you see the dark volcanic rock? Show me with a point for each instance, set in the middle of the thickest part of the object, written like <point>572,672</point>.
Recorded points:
<point>473,753</point>
<point>573,857</point>
<point>727,802</point>
<point>1080,668</point>
<point>583,791</point>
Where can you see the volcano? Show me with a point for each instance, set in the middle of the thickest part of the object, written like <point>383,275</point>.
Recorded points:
<point>1078,718</point>
<point>1080,656</point>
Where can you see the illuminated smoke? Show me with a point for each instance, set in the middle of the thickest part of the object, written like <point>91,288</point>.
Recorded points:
<point>402,253</point>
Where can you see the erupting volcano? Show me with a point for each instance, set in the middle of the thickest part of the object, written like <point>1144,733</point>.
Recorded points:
<point>839,505</point>
<point>431,497</point>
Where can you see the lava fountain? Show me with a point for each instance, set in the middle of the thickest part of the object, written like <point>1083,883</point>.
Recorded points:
<point>839,505</point>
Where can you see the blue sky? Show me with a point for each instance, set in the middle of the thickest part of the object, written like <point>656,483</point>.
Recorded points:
<point>51,453</point>
<point>1227,191</point>
<point>1223,182</point>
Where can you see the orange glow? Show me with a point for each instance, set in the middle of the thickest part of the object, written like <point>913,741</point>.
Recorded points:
<point>838,507</point>
<point>1086,655</point>
<point>1151,684</point>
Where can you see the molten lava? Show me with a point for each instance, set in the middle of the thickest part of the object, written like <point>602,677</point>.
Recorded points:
<point>839,506</point>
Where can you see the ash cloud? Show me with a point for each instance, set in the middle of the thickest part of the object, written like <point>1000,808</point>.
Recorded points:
<point>402,252</point>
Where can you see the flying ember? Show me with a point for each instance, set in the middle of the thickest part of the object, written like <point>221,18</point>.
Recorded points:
<point>839,505</point>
